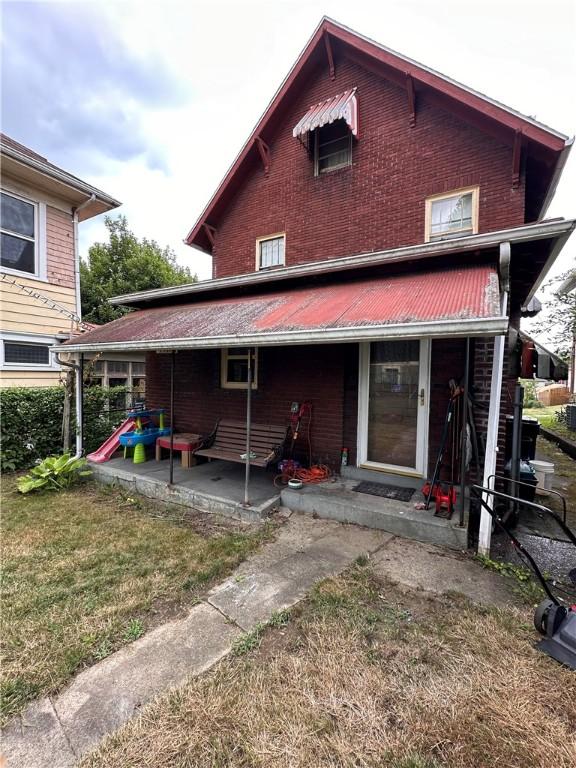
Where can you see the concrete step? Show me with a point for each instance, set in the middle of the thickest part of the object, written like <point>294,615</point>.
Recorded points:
<point>336,501</point>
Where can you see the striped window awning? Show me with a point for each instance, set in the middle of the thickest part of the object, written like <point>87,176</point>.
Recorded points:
<point>344,106</point>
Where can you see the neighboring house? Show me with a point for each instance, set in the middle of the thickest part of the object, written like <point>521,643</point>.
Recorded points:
<point>39,273</point>
<point>381,227</point>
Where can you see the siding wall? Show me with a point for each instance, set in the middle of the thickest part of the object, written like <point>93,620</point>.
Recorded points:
<point>377,203</point>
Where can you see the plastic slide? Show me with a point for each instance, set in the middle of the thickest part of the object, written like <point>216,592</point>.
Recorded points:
<point>112,444</point>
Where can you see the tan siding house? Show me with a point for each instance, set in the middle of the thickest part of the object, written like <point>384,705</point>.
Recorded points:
<point>39,267</point>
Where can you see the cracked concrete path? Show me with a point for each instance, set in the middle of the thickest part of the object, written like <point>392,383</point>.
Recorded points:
<point>57,731</point>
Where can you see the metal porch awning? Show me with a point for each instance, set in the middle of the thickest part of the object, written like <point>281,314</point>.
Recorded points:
<point>444,302</point>
<point>344,106</point>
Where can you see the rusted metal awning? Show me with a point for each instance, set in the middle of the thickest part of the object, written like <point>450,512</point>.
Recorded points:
<point>445,302</point>
<point>344,106</point>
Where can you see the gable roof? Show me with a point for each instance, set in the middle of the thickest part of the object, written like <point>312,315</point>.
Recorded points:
<point>546,147</point>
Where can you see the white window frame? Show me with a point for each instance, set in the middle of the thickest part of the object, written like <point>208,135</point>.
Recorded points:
<point>28,338</point>
<point>265,238</point>
<point>39,238</point>
<point>474,191</point>
<point>317,171</point>
<point>226,354</point>
<point>423,417</point>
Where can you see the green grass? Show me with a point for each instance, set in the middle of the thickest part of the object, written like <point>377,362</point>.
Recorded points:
<point>87,571</point>
<point>547,418</point>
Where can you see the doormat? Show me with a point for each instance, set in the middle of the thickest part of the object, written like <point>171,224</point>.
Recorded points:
<point>386,491</point>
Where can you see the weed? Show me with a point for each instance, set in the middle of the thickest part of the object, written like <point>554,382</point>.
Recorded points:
<point>526,587</point>
<point>362,560</point>
<point>134,630</point>
<point>249,640</point>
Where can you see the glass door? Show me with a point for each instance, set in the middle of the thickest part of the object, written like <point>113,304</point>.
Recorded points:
<point>394,405</point>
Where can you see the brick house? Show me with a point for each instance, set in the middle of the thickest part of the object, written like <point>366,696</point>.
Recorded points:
<point>377,236</point>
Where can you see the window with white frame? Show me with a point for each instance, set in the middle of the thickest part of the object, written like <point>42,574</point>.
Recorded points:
<point>270,251</point>
<point>452,214</point>
<point>234,368</point>
<point>332,147</point>
<point>19,233</point>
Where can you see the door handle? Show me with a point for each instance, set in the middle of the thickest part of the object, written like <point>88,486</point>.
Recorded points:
<point>422,395</point>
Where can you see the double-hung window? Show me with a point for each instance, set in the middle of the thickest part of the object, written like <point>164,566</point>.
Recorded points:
<point>19,233</point>
<point>452,214</point>
<point>270,251</point>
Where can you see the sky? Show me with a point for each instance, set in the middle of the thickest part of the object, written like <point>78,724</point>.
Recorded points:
<point>151,101</point>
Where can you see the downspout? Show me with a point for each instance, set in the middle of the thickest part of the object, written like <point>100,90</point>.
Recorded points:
<point>79,403</point>
<point>490,456</point>
<point>77,252</point>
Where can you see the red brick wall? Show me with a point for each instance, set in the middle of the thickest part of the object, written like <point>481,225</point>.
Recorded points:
<point>59,248</point>
<point>377,203</point>
<point>314,374</point>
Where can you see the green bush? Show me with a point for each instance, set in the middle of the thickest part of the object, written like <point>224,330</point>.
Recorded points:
<point>32,422</point>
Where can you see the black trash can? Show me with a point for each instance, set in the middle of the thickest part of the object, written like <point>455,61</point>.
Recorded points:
<point>530,431</point>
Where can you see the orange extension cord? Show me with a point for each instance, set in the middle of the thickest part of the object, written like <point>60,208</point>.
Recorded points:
<point>316,474</point>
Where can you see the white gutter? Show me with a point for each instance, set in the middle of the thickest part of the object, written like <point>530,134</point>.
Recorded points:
<point>528,232</point>
<point>75,210</point>
<point>489,326</point>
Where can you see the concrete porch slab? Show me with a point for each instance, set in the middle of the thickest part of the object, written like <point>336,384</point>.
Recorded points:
<point>337,501</point>
<point>216,486</point>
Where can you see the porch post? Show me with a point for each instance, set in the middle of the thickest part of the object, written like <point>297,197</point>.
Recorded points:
<point>80,405</point>
<point>172,366</point>
<point>248,426</point>
<point>485,533</point>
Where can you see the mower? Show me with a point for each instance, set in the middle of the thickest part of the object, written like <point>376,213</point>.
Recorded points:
<point>555,616</point>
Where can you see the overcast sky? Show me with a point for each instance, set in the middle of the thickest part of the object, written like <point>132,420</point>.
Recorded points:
<point>151,101</point>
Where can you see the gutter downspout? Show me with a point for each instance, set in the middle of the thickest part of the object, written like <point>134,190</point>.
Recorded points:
<point>79,404</point>
<point>86,202</point>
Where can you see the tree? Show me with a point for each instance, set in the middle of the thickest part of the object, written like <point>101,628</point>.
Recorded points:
<point>558,321</point>
<point>125,265</point>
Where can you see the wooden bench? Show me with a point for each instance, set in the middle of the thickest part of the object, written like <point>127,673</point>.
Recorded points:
<point>228,442</point>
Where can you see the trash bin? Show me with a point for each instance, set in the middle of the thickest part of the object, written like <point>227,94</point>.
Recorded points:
<point>527,475</point>
<point>530,431</point>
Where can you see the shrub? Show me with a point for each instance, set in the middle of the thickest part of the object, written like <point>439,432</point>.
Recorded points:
<point>54,474</point>
<point>32,421</point>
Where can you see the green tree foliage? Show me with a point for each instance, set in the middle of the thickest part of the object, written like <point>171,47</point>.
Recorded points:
<point>558,321</point>
<point>124,265</point>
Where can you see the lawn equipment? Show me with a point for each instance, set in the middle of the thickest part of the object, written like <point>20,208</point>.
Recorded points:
<point>555,616</point>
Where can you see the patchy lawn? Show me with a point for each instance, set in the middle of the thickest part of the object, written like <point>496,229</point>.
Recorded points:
<point>365,675</point>
<point>547,418</point>
<point>91,569</point>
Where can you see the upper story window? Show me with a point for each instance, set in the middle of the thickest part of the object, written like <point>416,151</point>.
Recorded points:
<point>452,214</point>
<point>270,251</point>
<point>332,147</point>
<point>19,231</point>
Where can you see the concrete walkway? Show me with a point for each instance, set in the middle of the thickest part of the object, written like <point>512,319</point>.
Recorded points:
<point>57,731</point>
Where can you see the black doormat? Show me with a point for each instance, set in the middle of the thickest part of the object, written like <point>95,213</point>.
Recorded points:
<point>387,491</point>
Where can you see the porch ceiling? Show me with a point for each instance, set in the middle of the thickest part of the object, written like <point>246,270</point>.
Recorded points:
<point>455,302</point>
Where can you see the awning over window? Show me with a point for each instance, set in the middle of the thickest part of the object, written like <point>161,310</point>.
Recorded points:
<point>445,302</point>
<point>344,106</point>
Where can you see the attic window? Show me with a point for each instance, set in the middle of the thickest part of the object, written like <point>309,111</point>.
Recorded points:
<point>452,215</point>
<point>332,147</point>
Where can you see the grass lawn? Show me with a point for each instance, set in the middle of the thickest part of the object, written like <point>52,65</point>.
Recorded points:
<point>90,569</point>
<point>365,675</point>
<point>547,418</point>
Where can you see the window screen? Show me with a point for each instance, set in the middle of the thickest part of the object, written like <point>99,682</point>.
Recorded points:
<point>333,146</point>
<point>26,354</point>
<point>451,215</point>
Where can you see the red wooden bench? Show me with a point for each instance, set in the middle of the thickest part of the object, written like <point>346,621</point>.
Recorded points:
<point>228,443</point>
